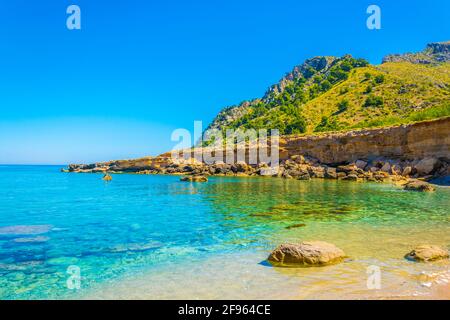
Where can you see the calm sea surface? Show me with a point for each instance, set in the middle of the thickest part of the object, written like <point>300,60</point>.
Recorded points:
<point>151,236</point>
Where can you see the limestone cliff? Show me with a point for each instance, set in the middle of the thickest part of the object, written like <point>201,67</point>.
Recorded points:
<point>419,150</point>
<point>409,142</point>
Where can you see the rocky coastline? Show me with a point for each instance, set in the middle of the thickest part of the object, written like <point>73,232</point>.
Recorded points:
<point>407,155</point>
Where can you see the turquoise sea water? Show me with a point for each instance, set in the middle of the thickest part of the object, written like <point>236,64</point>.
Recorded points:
<point>144,224</point>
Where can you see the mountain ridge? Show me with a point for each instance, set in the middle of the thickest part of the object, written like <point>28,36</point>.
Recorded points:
<point>341,93</point>
<point>435,52</point>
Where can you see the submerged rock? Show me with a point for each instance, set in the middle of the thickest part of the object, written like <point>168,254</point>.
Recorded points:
<point>308,253</point>
<point>25,229</point>
<point>63,261</point>
<point>135,247</point>
<point>283,207</point>
<point>427,253</point>
<point>194,179</point>
<point>417,185</point>
<point>351,177</point>
<point>298,225</point>
<point>32,240</point>
<point>20,266</point>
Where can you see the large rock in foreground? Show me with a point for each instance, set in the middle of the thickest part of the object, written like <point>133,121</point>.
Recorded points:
<point>417,185</point>
<point>427,253</point>
<point>308,253</point>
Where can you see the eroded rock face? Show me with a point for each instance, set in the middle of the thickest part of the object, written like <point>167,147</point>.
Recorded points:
<point>308,253</point>
<point>31,239</point>
<point>416,141</point>
<point>135,247</point>
<point>417,185</point>
<point>426,166</point>
<point>427,253</point>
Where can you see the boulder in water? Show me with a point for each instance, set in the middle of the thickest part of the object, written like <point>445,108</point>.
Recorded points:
<point>107,177</point>
<point>308,253</point>
<point>135,247</point>
<point>194,179</point>
<point>427,253</point>
<point>417,185</point>
<point>32,240</point>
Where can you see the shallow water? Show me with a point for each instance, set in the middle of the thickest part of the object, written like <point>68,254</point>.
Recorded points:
<point>155,237</point>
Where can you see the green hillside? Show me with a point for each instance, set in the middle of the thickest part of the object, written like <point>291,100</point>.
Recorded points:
<point>334,94</point>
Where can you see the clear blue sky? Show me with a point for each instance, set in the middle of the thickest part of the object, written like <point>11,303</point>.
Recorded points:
<point>139,69</point>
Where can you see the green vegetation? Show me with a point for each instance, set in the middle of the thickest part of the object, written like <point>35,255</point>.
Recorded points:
<point>330,94</point>
<point>431,113</point>
<point>283,110</point>
<point>342,106</point>
<point>327,124</point>
<point>373,101</point>
<point>379,78</point>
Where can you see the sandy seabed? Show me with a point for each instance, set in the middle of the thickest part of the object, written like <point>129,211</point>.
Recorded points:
<point>246,276</point>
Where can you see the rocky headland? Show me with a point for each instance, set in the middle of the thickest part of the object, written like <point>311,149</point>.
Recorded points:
<point>399,154</point>
<point>339,118</point>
